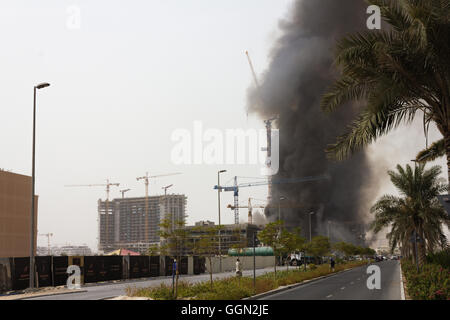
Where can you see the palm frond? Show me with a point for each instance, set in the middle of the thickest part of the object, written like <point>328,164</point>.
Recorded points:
<point>433,152</point>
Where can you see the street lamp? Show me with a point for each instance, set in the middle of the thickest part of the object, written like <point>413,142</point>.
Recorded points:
<point>33,175</point>
<point>218,198</point>
<point>279,219</point>
<point>328,233</point>
<point>310,235</point>
<point>279,208</point>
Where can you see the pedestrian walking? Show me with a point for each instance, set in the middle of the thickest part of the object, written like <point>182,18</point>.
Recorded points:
<point>174,273</point>
<point>238,268</point>
<point>332,263</point>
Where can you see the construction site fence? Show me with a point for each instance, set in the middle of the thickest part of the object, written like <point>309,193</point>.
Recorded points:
<point>52,270</point>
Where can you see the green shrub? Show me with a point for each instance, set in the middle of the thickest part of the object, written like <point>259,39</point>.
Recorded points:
<point>234,288</point>
<point>432,282</point>
<point>441,258</point>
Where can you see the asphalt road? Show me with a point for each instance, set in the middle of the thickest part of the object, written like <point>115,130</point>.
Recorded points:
<point>348,285</point>
<point>103,291</point>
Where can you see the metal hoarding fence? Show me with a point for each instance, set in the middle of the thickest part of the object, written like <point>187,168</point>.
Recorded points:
<point>44,271</point>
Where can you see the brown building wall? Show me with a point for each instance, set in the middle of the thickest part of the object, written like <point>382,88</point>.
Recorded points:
<point>15,220</point>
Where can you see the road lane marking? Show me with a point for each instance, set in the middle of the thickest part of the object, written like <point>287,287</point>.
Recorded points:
<point>342,288</point>
<point>352,282</point>
<point>329,296</point>
<point>402,291</point>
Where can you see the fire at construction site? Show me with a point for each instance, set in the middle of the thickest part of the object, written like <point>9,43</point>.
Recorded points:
<point>300,69</point>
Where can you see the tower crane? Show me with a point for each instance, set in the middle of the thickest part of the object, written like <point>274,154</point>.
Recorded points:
<point>250,207</point>
<point>252,69</point>
<point>165,203</point>
<point>165,189</point>
<point>236,186</point>
<point>268,124</point>
<point>108,186</point>
<point>123,191</point>
<point>48,235</point>
<point>146,179</point>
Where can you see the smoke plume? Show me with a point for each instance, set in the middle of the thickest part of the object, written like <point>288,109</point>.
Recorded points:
<point>301,69</point>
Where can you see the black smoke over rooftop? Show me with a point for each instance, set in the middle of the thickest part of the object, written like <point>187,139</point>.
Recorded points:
<point>300,70</point>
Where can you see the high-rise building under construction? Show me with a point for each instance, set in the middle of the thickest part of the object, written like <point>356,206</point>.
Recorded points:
<point>125,224</point>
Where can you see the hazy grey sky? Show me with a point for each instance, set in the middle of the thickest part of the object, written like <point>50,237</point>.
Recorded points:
<point>133,72</point>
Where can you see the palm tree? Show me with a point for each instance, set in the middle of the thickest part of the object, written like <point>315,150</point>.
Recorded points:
<point>396,72</point>
<point>417,209</point>
<point>434,151</point>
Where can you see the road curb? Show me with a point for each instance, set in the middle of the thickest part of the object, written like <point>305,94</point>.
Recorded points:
<point>47,295</point>
<point>292,286</point>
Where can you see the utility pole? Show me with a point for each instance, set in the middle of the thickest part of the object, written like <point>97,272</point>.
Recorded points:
<point>33,180</point>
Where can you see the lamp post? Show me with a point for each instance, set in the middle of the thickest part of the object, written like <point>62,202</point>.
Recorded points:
<point>328,233</point>
<point>279,219</point>
<point>254,262</point>
<point>310,237</point>
<point>33,177</point>
<point>279,207</point>
<point>310,234</point>
<point>416,251</point>
<point>218,200</point>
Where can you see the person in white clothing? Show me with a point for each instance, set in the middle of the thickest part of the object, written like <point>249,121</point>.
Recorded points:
<point>238,268</point>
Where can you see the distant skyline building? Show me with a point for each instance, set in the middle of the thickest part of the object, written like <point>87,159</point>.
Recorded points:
<point>15,215</point>
<point>66,250</point>
<point>124,227</point>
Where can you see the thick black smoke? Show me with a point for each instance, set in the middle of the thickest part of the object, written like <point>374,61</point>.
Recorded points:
<point>300,71</point>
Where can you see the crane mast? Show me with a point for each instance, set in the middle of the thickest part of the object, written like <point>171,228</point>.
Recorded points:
<point>268,124</point>
<point>108,186</point>
<point>146,179</point>
<point>48,235</point>
<point>236,186</point>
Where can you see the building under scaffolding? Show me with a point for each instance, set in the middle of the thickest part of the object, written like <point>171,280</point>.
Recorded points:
<point>125,223</point>
<point>231,235</point>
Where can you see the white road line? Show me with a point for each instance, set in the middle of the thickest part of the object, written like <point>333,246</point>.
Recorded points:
<point>402,291</point>
<point>342,288</point>
<point>352,282</point>
<point>329,296</point>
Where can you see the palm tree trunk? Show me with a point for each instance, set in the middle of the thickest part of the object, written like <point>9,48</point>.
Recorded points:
<point>447,153</point>
<point>422,249</point>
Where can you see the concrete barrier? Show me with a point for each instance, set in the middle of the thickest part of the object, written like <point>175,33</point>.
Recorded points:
<point>229,263</point>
